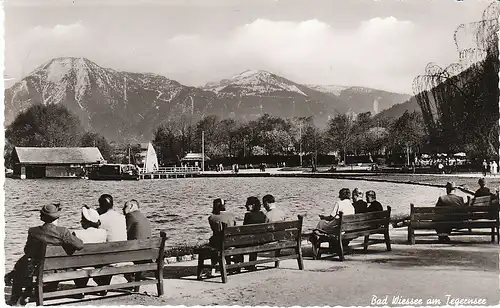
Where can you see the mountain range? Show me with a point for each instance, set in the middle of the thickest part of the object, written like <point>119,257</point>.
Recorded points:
<point>129,106</point>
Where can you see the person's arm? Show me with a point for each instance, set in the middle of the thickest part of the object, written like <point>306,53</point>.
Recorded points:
<point>439,202</point>
<point>71,242</point>
<point>246,220</point>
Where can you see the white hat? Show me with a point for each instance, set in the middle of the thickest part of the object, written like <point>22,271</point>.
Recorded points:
<point>90,214</point>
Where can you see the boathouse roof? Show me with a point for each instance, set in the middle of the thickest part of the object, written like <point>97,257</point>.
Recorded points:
<point>194,157</point>
<point>47,156</point>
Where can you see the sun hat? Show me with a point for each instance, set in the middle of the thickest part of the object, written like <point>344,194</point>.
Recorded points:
<point>51,211</point>
<point>90,214</point>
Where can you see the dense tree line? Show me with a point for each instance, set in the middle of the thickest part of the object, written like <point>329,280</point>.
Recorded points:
<point>55,126</point>
<point>269,135</point>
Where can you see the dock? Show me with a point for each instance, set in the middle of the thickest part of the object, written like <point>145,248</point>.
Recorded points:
<point>170,173</point>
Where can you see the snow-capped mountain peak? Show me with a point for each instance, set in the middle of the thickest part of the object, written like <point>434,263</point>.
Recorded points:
<point>252,82</point>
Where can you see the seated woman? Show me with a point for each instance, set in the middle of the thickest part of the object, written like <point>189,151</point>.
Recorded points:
<point>328,224</point>
<point>357,201</point>
<point>254,216</point>
<point>218,221</point>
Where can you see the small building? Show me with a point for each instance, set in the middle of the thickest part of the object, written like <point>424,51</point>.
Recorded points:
<point>193,159</point>
<point>35,162</point>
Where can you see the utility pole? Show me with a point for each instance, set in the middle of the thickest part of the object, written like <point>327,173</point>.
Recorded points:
<point>300,143</point>
<point>203,151</point>
<point>128,154</point>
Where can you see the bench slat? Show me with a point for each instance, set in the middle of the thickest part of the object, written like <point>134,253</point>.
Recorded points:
<point>99,259</point>
<point>103,248</point>
<point>62,293</point>
<point>262,261</point>
<point>455,209</point>
<point>261,228</point>
<point>481,201</point>
<point>365,216</point>
<point>452,216</point>
<point>89,273</point>
<point>356,234</point>
<point>367,224</point>
<point>453,224</point>
<point>261,238</point>
<point>261,248</point>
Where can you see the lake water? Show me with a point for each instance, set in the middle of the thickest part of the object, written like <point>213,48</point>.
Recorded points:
<point>181,206</point>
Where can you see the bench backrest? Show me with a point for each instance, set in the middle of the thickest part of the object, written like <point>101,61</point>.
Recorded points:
<point>259,234</point>
<point>365,221</point>
<point>102,253</point>
<point>481,201</point>
<point>453,213</point>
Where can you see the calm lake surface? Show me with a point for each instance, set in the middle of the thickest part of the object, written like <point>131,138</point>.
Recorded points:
<point>182,206</point>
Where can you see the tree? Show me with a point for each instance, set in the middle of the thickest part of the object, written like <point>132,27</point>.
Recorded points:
<point>45,126</point>
<point>340,133</point>
<point>90,139</point>
<point>408,132</point>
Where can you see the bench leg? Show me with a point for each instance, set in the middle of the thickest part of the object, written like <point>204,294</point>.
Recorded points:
<point>201,262</point>
<point>365,243</point>
<point>223,267</point>
<point>39,293</point>
<point>493,235</point>
<point>277,253</point>
<point>341,250</point>
<point>300,261</point>
<point>388,239</point>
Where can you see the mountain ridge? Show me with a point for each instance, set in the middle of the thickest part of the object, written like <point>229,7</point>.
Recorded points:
<point>138,102</point>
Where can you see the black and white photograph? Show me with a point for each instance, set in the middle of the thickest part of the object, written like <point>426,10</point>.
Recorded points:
<point>251,152</point>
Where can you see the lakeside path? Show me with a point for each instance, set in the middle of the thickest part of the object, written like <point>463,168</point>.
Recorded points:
<point>465,270</point>
<point>466,181</point>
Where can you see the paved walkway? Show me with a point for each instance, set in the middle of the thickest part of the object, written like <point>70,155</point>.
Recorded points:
<point>465,270</point>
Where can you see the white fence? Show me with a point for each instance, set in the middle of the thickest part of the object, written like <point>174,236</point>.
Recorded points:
<point>173,170</point>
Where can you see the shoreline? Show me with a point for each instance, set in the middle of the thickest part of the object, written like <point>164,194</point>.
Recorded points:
<point>183,253</point>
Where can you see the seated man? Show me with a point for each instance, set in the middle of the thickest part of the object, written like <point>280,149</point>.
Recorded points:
<point>450,199</point>
<point>274,213</point>
<point>482,191</point>
<point>372,204</point>
<point>49,233</point>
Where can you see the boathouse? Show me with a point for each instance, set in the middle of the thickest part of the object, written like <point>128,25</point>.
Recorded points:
<point>35,162</point>
<point>193,159</point>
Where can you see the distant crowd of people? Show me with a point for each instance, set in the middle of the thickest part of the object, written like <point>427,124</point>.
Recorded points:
<point>491,167</point>
<point>97,226</point>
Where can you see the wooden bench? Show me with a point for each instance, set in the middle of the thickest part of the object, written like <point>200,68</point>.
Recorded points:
<point>351,227</point>
<point>480,201</point>
<point>455,218</point>
<point>56,266</point>
<point>245,240</point>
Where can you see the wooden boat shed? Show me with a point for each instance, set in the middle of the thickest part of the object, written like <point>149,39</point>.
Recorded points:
<point>194,159</point>
<point>36,162</point>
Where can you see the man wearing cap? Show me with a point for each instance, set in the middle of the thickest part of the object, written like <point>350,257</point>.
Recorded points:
<point>112,221</point>
<point>49,233</point>
<point>273,213</point>
<point>450,199</point>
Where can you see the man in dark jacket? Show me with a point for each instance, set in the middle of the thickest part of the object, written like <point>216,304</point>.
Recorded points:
<point>138,227</point>
<point>49,233</point>
<point>482,191</point>
<point>450,199</point>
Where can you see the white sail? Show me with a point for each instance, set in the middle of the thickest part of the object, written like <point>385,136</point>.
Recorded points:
<point>151,160</point>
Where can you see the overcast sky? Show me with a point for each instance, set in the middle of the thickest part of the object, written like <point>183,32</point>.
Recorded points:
<point>380,44</point>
